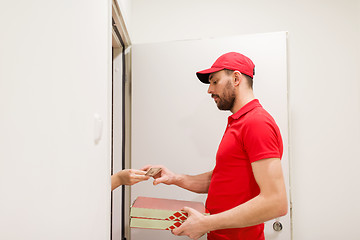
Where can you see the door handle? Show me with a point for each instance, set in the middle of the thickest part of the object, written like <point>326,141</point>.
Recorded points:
<point>277,226</point>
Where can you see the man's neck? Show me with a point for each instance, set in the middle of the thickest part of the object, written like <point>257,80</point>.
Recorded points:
<point>242,101</point>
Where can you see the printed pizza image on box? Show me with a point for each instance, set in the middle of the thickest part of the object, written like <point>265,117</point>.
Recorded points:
<point>160,213</point>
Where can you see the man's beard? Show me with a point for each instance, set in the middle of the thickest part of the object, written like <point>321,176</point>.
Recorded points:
<point>226,102</point>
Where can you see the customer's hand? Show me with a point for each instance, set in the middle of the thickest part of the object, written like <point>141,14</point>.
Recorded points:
<point>127,177</point>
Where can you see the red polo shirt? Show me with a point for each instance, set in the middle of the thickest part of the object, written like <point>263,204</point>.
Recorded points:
<point>251,135</point>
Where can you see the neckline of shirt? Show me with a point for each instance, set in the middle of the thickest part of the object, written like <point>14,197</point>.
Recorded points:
<point>245,109</point>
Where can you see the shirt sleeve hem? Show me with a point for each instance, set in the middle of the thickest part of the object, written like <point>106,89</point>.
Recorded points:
<point>264,156</point>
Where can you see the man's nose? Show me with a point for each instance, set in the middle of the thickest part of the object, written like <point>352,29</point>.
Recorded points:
<point>210,89</point>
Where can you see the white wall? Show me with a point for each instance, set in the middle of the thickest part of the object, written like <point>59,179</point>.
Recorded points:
<point>324,92</point>
<point>173,132</point>
<point>55,75</point>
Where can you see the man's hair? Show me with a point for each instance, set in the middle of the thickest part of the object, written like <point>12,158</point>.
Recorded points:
<point>248,78</point>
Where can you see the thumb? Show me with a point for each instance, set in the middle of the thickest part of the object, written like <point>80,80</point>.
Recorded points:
<point>160,180</point>
<point>188,210</point>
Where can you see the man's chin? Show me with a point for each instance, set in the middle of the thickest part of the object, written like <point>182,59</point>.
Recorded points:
<point>223,108</point>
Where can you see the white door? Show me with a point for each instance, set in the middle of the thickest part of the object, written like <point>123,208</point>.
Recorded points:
<point>55,97</point>
<point>175,122</point>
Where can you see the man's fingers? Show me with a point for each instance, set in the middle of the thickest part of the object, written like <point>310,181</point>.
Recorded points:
<point>178,231</point>
<point>160,180</point>
<point>188,210</point>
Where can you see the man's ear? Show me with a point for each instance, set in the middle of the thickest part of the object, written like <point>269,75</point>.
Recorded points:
<point>237,78</point>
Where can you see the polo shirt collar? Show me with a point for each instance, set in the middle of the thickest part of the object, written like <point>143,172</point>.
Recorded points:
<point>246,108</point>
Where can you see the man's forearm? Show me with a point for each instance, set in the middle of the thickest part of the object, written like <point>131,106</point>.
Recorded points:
<point>253,212</point>
<point>197,183</point>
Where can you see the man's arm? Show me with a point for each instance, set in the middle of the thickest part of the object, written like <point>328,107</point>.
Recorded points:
<point>196,183</point>
<point>269,204</point>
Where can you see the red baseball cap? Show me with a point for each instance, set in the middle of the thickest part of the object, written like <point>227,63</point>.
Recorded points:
<point>231,61</point>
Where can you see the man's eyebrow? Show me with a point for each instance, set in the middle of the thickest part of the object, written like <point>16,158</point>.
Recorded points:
<point>211,76</point>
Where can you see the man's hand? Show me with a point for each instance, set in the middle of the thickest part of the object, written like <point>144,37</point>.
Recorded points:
<point>164,176</point>
<point>195,226</point>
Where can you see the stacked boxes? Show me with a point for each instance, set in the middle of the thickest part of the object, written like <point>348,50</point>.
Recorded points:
<point>160,213</point>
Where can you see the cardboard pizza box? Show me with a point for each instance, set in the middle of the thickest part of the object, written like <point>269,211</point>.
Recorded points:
<point>154,223</point>
<point>160,213</point>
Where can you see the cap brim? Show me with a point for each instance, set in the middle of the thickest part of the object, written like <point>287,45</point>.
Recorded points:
<point>203,75</point>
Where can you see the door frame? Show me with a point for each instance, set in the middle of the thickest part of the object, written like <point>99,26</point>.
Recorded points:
<point>121,43</point>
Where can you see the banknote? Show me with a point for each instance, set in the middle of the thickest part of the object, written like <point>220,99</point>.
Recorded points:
<point>152,172</point>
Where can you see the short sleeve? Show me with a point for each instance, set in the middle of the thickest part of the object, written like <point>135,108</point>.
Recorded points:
<point>261,138</point>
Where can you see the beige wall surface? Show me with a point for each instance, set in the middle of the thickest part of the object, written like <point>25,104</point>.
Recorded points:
<point>176,123</point>
<point>324,87</point>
